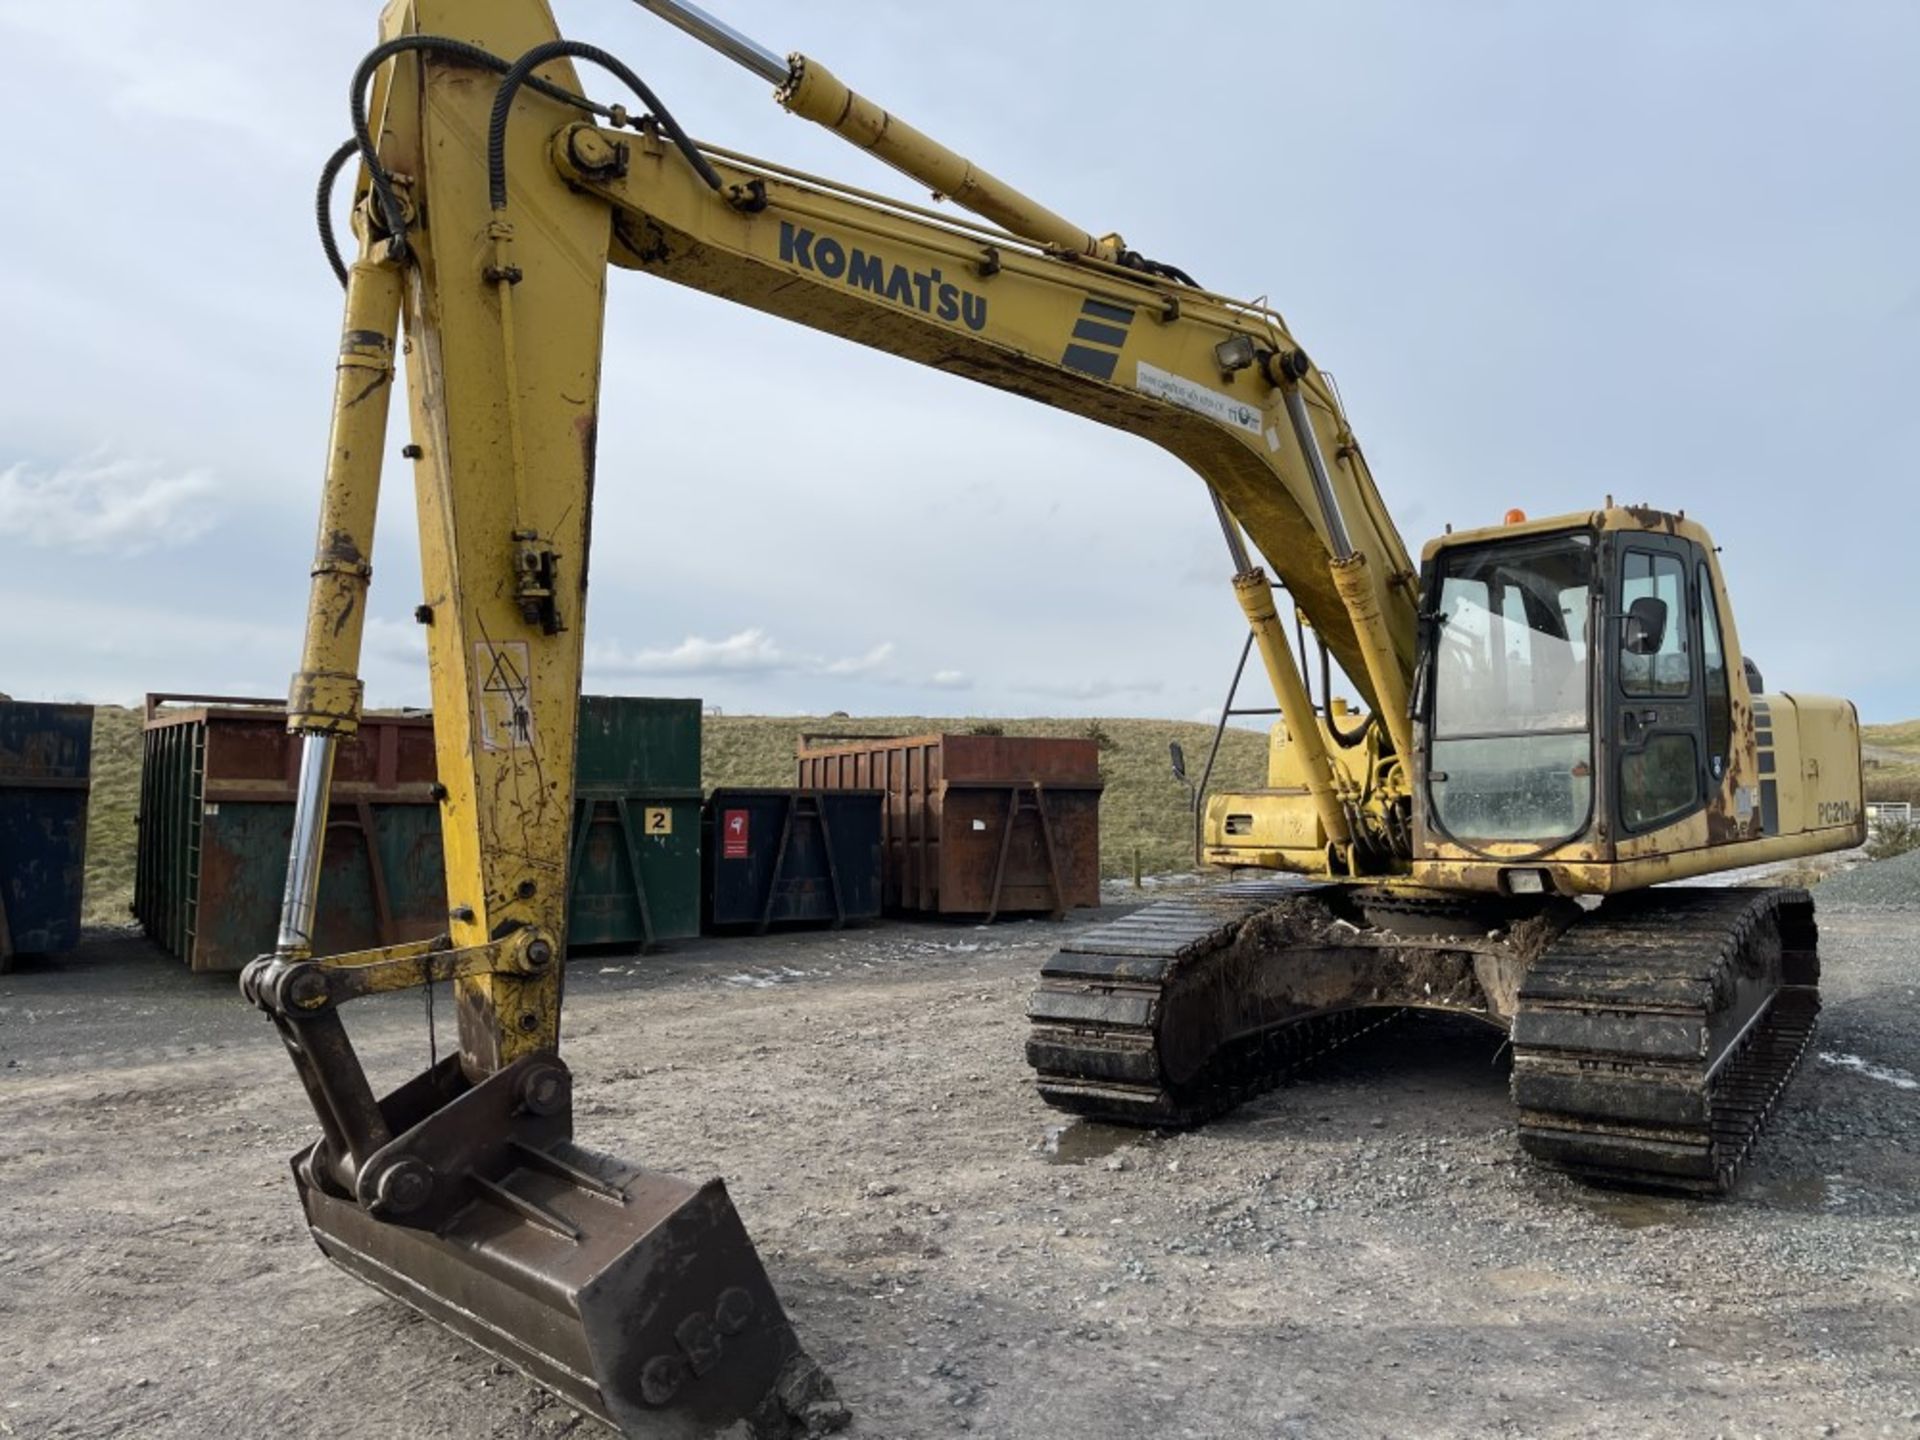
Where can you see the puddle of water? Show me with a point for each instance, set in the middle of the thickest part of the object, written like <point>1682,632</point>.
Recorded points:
<point>1809,1191</point>
<point>1639,1212</point>
<point>1885,1074</point>
<point>1515,1280</point>
<point>767,979</point>
<point>1080,1141</point>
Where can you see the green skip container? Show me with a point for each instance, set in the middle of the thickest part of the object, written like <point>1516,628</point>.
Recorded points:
<point>636,823</point>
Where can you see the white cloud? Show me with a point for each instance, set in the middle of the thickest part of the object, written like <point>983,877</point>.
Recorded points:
<point>951,680</point>
<point>748,652</point>
<point>142,64</point>
<point>98,504</point>
<point>391,640</point>
<point>1091,689</point>
<point>867,664</point>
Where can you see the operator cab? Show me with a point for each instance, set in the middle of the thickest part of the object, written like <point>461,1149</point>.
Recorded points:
<point>1576,689</point>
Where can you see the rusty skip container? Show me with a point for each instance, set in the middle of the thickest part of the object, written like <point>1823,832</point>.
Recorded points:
<point>216,819</point>
<point>46,757</point>
<point>974,824</point>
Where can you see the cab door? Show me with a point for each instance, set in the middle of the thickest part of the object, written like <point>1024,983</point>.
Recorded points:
<point>1659,772</point>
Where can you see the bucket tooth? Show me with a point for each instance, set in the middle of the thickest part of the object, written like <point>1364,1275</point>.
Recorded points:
<point>635,1296</point>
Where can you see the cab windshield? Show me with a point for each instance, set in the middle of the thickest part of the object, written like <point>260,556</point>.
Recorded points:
<point>1510,752</point>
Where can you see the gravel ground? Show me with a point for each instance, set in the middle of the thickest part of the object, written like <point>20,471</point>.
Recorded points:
<point>1362,1253</point>
<point>1894,884</point>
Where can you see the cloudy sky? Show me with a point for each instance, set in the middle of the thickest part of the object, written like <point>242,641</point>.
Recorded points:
<point>1549,250</point>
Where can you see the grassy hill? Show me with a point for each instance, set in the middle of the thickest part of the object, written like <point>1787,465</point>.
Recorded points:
<point>110,810</point>
<point>1144,807</point>
<point>1891,754</point>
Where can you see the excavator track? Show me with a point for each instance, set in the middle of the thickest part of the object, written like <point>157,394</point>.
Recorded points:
<point>1118,1008</point>
<point>1653,1039</point>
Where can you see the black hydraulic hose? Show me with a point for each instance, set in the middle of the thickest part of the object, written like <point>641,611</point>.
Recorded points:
<point>1345,739</point>
<point>323,207</point>
<point>382,183</point>
<point>521,73</point>
<point>1161,269</point>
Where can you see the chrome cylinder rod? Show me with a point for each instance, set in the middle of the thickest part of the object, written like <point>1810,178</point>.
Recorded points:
<point>1236,542</point>
<point>721,36</point>
<point>1317,466</point>
<point>301,901</point>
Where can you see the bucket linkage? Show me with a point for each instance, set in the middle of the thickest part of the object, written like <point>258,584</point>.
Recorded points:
<point>635,1296</point>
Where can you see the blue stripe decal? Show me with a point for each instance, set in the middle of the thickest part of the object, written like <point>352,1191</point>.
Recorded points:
<point>1099,334</point>
<point>1098,363</point>
<point>1113,313</point>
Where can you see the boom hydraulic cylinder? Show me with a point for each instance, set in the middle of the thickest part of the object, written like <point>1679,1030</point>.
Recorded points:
<point>1349,566</point>
<point>1255,593</point>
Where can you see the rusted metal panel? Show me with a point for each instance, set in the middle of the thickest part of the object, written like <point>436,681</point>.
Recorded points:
<point>46,755</point>
<point>975,824</point>
<point>216,822</point>
<point>216,817</point>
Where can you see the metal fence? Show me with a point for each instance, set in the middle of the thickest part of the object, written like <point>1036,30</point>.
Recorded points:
<point>1882,813</point>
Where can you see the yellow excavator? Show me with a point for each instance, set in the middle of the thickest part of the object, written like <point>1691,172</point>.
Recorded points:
<point>1558,714</point>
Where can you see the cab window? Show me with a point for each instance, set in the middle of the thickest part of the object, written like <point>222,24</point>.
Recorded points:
<point>1713,665</point>
<point>1668,673</point>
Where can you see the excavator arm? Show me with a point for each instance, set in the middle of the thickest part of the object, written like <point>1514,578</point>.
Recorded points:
<point>493,199</point>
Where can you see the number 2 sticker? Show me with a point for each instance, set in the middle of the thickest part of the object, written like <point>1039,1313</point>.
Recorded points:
<point>659,820</point>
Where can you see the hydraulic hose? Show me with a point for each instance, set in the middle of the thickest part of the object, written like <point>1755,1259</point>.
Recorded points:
<point>390,212</point>
<point>323,207</point>
<point>521,73</point>
<point>1345,739</point>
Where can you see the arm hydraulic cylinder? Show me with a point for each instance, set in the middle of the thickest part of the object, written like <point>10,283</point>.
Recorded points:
<point>813,92</point>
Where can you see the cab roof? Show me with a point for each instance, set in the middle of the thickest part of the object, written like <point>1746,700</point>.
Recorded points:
<point>1642,518</point>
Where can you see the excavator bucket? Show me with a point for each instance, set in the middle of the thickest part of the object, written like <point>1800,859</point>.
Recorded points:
<point>635,1296</point>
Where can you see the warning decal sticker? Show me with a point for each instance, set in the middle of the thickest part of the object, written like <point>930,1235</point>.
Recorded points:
<point>1178,390</point>
<point>503,677</point>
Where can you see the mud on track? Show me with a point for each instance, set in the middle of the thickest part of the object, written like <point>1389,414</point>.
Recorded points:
<point>1363,1253</point>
